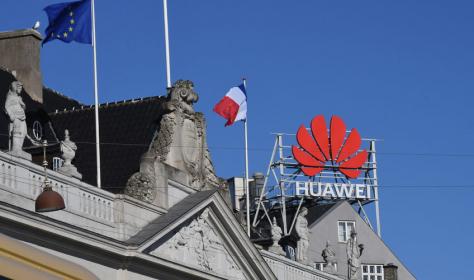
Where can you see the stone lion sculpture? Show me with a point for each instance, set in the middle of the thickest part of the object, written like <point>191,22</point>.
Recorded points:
<point>180,142</point>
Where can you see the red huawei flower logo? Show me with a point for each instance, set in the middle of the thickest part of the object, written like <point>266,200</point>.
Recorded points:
<point>319,148</point>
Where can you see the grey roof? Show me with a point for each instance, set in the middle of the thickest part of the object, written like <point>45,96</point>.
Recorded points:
<point>53,100</point>
<point>126,131</point>
<point>318,212</point>
<point>174,213</point>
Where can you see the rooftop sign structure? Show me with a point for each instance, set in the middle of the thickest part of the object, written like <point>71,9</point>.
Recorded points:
<point>318,148</point>
<point>319,164</point>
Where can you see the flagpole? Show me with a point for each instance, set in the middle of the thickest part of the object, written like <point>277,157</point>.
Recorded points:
<point>167,44</point>
<point>96,95</point>
<point>247,170</point>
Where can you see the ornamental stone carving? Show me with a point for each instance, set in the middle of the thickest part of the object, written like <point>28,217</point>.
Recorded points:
<point>15,109</point>
<point>181,139</point>
<point>141,186</point>
<point>180,142</point>
<point>276,236</point>
<point>354,251</point>
<point>302,245</point>
<point>329,256</point>
<point>68,150</point>
<point>199,246</point>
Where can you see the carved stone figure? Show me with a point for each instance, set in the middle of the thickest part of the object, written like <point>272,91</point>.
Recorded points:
<point>276,236</point>
<point>198,245</point>
<point>180,142</point>
<point>15,109</point>
<point>301,227</point>
<point>68,150</point>
<point>354,251</point>
<point>329,256</point>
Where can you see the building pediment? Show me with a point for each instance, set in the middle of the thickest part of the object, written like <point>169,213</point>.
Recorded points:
<point>200,245</point>
<point>201,232</point>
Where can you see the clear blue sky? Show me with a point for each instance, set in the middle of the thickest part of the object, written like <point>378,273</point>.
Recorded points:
<point>401,71</point>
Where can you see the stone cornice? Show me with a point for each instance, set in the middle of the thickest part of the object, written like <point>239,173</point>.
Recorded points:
<point>20,33</point>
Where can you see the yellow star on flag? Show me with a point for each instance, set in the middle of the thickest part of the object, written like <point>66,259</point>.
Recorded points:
<point>65,34</point>
<point>70,29</point>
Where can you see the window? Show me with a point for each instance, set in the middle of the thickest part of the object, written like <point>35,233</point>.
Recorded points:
<point>344,229</point>
<point>372,272</point>
<point>57,163</point>
<point>320,266</point>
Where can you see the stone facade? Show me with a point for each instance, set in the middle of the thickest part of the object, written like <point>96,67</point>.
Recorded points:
<point>119,237</point>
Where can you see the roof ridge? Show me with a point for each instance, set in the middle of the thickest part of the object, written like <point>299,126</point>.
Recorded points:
<point>60,94</point>
<point>107,104</point>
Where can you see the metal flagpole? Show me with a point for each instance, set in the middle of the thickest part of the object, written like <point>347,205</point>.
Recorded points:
<point>96,94</point>
<point>247,170</point>
<point>167,44</point>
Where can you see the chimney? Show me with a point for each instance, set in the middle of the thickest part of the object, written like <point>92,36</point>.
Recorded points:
<point>390,272</point>
<point>20,52</point>
<point>256,187</point>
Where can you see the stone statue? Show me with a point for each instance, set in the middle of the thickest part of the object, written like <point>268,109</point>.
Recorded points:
<point>329,256</point>
<point>15,109</point>
<point>354,251</point>
<point>276,236</point>
<point>180,142</point>
<point>302,230</point>
<point>68,150</point>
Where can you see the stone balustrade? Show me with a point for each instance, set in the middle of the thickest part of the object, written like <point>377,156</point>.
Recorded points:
<point>286,269</point>
<point>99,211</point>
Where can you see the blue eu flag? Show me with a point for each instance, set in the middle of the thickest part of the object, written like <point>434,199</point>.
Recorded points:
<point>69,22</point>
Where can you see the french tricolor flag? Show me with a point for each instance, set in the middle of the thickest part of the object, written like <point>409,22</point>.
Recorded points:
<point>233,106</point>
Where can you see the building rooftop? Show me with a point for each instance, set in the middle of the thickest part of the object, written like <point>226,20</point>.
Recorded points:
<point>126,131</point>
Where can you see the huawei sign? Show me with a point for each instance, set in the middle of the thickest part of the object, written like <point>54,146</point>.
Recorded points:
<point>317,148</point>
